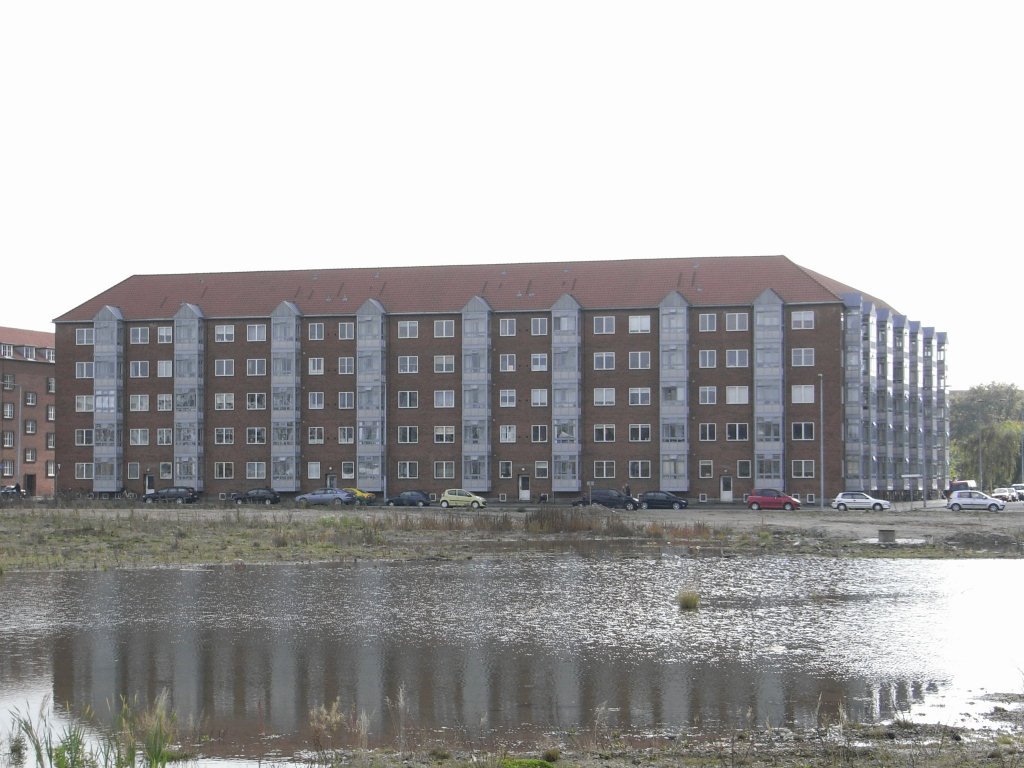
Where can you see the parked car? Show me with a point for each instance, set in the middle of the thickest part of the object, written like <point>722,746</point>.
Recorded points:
<point>460,497</point>
<point>960,485</point>
<point>1019,488</point>
<point>409,499</point>
<point>336,496</point>
<point>12,492</point>
<point>257,496</point>
<point>362,497</point>
<point>608,497</point>
<point>661,500</point>
<point>974,500</point>
<point>769,498</point>
<point>177,494</point>
<point>1005,494</point>
<point>858,500</point>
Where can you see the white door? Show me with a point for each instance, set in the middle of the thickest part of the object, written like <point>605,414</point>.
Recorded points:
<point>524,487</point>
<point>726,488</point>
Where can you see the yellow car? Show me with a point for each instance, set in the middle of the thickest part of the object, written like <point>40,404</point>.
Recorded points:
<point>362,497</point>
<point>458,497</point>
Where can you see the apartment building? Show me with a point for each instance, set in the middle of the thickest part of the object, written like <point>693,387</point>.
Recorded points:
<point>28,373</point>
<point>531,381</point>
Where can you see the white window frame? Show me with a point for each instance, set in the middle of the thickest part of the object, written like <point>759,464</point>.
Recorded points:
<point>255,332</point>
<point>539,361</point>
<point>507,326</point>
<point>707,358</point>
<point>538,326</point>
<point>639,395</point>
<point>444,329</point>
<point>604,397</point>
<point>707,395</point>
<point>802,394</point>
<point>802,357</point>
<point>737,395</point>
<point>408,329</point>
<point>639,323</point>
<point>315,331</point>
<point>444,398</point>
<point>707,322</point>
<point>604,325</point>
<point>737,321</point>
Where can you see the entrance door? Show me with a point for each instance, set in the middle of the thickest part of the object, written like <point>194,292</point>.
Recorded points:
<point>726,488</point>
<point>332,481</point>
<point>524,487</point>
<point>148,483</point>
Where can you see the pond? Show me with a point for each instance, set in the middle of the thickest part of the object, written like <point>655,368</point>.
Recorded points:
<point>503,649</point>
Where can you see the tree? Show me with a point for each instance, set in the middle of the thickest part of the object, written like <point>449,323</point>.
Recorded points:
<point>986,424</point>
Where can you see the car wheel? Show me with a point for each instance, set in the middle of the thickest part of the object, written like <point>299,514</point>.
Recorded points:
<point>876,507</point>
<point>475,505</point>
<point>755,506</point>
<point>148,501</point>
<point>841,507</point>
<point>955,507</point>
<point>180,500</point>
<point>993,507</point>
<point>338,502</point>
<point>676,505</point>
<point>444,505</point>
<point>630,506</point>
<point>788,507</point>
<point>238,502</point>
<point>268,501</point>
<point>419,503</point>
<point>391,503</point>
<point>644,505</point>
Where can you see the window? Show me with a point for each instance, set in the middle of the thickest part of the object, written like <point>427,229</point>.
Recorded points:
<point>506,433</point>
<point>255,470</point>
<point>406,364</point>
<point>707,323</point>
<point>639,395</point>
<point>604,396</point>
<point>802,320</point>
<point>409,434</point>
<point>444,398</point>
<point>51,413</point>
<point>316,400</point>
<point>51,385</point>
<point>346,400</point>
<point>224,333</point>
<point>315,366</point>
<point>507,363</point>
<point>408,470</point>
<point>82,437</point>
<point>706,469</point>
<point>639,468</point>
<point>84,370</point>
<point>803,430</point>
<point>408,329</point>
<point>639,361</point>
<point>256,435</point>
<point>737,395</point>
<point>224,436</point>
<point>138,336</point>
<point>507,326</point>
<point>708,432</point>
<point>603,470</point>
<point>165,436</point>
<point>84,336</point>
<point>743,468</point>
<point>164,369</point>
<point>83,471</point>
<point>444,470</point>
<point>604,433</point>
<point>539,361</point>
<point>446,363</point>
<point>803,357</point>
<point>224,401</point>
<point>768,467</point>
<point>223,367</point>
<point>708,358</point>
<point>315,332</point>
<point>539,398</point>
<point>347,366</point>
<point>604,324</point>
<point>346,435</point>
<point>138,402</point>
<point>444,434</point>
<point>803,468</point>
<point>507,398</point>
<point>165,402</point>
<point>30,398</point>
<point>639,433</point>
<point>408,398</point>
<point>165,334</point>
<point>444,329</point>
<point>803,393</point>
<point>707,395</point>
<point>256,332</point>
<point>539,433</point>
<point>737,321</point>
<point>8,410</point>
<point>8,381</point>
<point>165,470</point>
<point>538,326</point>
<point>737,358</point>
<point>256,401</point>
<point>346,330</point>
<point>604,361</point>
<point>504,470</point>
<point>737,431</point>
<point>224,470</point>
<point>639,323</point>
<point>256,366</point>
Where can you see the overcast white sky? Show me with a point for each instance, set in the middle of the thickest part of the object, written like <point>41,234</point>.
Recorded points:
<point>880,143</point>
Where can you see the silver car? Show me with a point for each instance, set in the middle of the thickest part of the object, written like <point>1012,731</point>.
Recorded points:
<point>974,500</point>
<point>859,500</point>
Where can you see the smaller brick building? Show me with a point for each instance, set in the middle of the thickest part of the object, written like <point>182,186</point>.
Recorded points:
<point>27,448</point>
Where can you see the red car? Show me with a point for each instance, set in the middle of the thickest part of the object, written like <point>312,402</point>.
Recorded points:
<point>769,498</point>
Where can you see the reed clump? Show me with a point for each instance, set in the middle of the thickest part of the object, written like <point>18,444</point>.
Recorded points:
<point>688,600</point>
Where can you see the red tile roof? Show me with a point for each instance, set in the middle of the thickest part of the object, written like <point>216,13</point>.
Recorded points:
<point>23,338</point>
<point>619,284</point>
